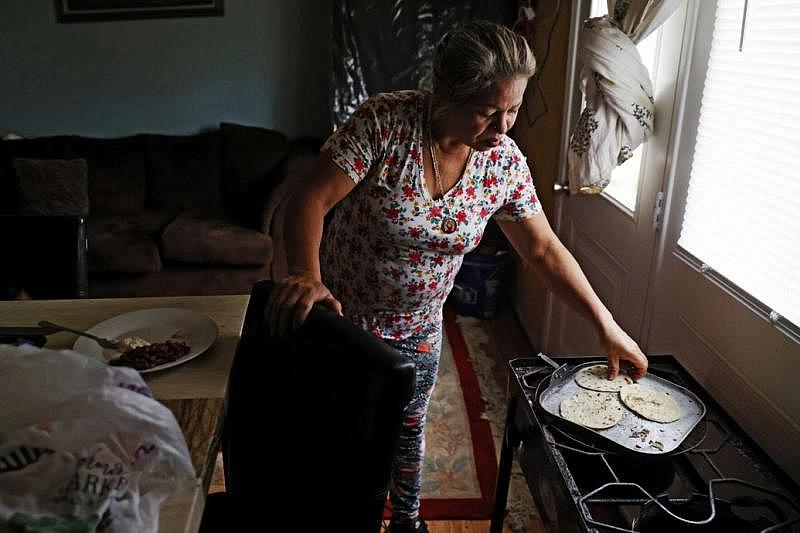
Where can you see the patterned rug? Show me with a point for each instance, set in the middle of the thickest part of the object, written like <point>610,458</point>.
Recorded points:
<point>521,513</point>
<point>460,459</point>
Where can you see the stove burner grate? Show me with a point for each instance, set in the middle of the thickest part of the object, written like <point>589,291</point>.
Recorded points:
<point>701,512</point>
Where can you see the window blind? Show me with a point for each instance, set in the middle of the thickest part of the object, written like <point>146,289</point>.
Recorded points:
<point>742,215</point>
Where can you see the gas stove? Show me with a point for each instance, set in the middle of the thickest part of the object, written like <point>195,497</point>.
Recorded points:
<point>717,480</point>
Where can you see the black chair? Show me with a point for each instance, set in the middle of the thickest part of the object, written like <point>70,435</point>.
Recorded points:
<point>313,420</point>
<point>46,256</point>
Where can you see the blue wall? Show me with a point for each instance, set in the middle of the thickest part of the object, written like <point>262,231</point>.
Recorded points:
<point>265,63</point>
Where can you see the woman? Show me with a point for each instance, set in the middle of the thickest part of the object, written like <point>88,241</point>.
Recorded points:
<point>414,178</point>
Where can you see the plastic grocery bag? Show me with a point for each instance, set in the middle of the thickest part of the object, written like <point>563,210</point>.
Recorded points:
<point>83,445</point>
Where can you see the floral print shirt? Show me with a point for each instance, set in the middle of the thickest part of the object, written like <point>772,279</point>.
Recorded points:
<point>384,254</point>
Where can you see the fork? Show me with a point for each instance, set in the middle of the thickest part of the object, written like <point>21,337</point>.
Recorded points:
<point>111,344</point>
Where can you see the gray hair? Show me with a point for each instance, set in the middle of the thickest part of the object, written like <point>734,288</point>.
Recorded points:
<point>470,59</point>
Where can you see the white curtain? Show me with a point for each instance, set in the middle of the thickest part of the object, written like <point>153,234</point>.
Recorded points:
<point>619,110</point>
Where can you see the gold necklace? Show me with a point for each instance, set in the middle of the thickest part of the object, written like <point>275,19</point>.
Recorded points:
<point>449,224</point>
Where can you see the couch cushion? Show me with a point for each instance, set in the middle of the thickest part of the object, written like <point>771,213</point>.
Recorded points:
<point>117,174</point>
<point>126,243</point>
<point>52,186</point>
<point>250,152</point>
<point>249,155</point>
<point>193,238</point>
<point>184,170</point>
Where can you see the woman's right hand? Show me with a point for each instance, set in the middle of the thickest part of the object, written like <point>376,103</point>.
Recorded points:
<point>291,301</point>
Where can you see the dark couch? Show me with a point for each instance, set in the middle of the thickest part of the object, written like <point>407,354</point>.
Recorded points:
<point>167,215</point>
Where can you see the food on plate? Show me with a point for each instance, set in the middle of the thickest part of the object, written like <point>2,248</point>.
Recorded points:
<point>594,378</point>
<point>592,409</point>
<point>650,403</point>
<point>151,355</point>
<point>129,343</point>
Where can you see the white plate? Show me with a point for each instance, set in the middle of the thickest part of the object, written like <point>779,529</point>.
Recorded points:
<point>197,330</point>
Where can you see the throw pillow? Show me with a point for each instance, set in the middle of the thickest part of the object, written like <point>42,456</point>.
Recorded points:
<point>52,186</point>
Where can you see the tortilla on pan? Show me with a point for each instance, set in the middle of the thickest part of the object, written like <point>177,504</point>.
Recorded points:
<point>650,403</point>
<point>596,410</point>
<point>594,378</point>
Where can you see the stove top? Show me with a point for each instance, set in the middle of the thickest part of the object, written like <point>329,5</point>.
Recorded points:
<point>717,480</point>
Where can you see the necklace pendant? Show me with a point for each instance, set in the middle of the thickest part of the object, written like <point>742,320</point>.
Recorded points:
<point>449,225</point>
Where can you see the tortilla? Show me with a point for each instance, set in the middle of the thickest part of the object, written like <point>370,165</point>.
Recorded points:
<point>594,378</point>
<point>650,403</point>
<point>592,409</point>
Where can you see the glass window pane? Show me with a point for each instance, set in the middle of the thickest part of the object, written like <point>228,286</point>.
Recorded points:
<point>624,184</point>
<point>741,215</point>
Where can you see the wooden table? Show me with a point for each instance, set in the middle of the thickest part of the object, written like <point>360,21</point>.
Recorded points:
<point>194,391</point>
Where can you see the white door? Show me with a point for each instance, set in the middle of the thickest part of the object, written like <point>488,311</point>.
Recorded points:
<point>747,358</point>
<point>613,235</point>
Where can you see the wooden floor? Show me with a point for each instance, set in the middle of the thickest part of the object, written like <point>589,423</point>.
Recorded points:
<point>461,526</point>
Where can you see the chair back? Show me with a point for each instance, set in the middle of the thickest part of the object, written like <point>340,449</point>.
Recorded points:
<point>314,420</point>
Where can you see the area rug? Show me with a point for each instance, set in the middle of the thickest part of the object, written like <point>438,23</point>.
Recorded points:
<point>521,513</point>
<point>460,459</point>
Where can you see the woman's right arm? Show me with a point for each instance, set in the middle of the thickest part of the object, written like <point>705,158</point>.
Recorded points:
<point>295,295</point>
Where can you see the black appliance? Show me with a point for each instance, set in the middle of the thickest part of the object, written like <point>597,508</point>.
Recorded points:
<point>718,480</point>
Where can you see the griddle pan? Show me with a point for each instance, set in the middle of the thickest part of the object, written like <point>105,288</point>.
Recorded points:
<point>632,432</point>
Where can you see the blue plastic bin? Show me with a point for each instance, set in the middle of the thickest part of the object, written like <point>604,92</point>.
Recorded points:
<point>479,284</point>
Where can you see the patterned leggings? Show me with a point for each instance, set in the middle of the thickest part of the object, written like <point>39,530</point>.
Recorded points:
<point>424,349</point>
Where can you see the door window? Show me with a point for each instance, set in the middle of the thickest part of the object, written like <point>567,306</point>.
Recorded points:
<point>624,185</point>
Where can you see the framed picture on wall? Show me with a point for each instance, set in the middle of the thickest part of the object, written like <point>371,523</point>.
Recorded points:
<point>92,10</point>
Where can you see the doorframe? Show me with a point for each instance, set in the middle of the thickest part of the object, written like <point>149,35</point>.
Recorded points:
<point>673,187</point>
<point>571,108</point>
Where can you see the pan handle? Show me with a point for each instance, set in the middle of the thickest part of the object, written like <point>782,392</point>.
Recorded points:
<point>549,361</point>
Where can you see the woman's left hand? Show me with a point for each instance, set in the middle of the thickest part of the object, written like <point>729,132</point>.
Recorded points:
<point>618,345</point>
